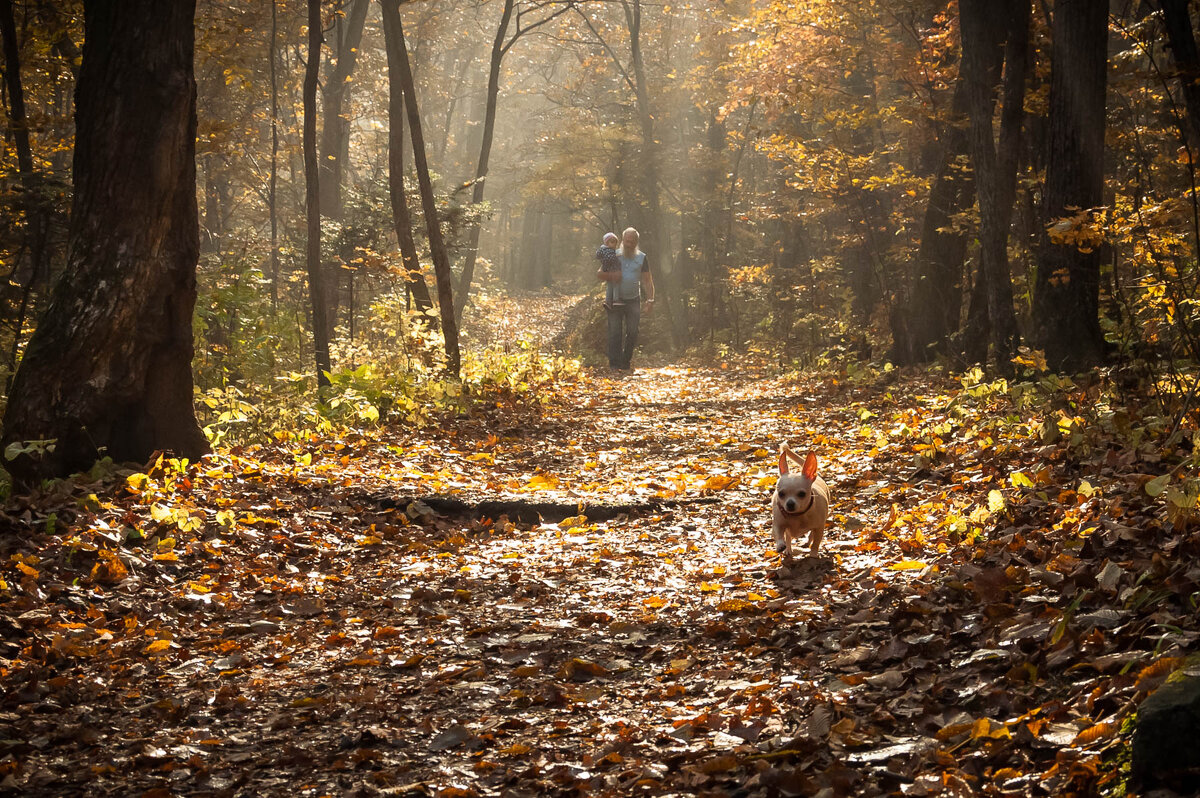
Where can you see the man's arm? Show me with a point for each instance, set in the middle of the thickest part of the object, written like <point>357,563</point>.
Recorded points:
<point>648,286</point>
<point>608,277</point>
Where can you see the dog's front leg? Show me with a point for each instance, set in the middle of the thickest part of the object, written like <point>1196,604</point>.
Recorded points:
<point>783,543</point>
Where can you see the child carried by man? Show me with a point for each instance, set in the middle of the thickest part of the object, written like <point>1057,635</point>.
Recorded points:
<point>610,262</point>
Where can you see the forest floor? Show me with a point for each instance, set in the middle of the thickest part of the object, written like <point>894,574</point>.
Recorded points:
<point>993,598</point>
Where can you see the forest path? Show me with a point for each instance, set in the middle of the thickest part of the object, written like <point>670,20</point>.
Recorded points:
<point>283,629</point>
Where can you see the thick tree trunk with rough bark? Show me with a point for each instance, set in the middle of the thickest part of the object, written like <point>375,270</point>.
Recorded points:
<point>108,370</point>
<point>312,198</point>
<point>1067,290</point>
<point>393,28</point>
<point>935,302</point>
<point>401,217</point>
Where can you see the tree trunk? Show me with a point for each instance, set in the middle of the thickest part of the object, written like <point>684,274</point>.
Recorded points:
<point>986,26</point>
<point>660,244</point>
<point>393,27</point>
<point>1182,40</point>
<point>59,35</point>
<point>935,302</point>
<point>401,218</point>
<point>312,197</point>
<point>273,193</point>
<point>335,134</point>
<point>335,128</point>
<point>1067,289</point>
<point>108,370</point>
<point>36,222</point>
<point>485,152</point>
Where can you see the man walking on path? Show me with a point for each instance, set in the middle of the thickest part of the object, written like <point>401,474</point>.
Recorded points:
<point>625,314</point>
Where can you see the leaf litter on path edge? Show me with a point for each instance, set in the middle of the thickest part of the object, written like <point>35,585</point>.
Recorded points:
<point>247,625</point>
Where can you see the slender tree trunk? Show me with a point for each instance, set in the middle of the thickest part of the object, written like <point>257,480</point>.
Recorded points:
<point>459,80</point>
<point>18,124</point>
<point>660,243</point>
<point>987,25</point>
<point>273,193</point>
<point>335,134</point>
<point>108,370</point>
<point>485,152</point>
<point>312,196</point>
<point>401,217</point>
<point>335,127</point>
<point>1182,40</point>
<point>1067,290</point>
<point>394,28</point>
<point>36,222</point>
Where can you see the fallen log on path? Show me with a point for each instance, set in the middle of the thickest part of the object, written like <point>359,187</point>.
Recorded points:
<point>526,511</point>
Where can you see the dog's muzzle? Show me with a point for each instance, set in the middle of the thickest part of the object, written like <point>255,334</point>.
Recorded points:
<point>786,508</point>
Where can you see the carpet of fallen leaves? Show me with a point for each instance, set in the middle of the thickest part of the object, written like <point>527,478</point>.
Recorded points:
<point>991,603</point>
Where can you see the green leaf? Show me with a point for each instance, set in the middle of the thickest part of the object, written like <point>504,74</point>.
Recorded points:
<point>1156,486</point>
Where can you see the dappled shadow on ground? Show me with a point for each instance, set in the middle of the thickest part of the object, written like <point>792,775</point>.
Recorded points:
<point>296,639</point>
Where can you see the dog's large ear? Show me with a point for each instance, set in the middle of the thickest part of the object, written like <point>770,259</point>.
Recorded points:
<point>784,451</point>
<point>810,466</point>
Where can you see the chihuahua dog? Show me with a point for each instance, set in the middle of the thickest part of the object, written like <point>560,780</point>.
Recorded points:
<point>800,503</point>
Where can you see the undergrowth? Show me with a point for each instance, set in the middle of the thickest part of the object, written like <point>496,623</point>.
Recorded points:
<point>393,372</point>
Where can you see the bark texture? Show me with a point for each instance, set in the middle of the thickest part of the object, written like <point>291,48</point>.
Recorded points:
<point>393,27</point>
<point>1182,40</point>
<point>1067,290</point>
<point>401,216</point>
<point>995,32</point>
<point>312,199</point>
<point>108,370</point>
<point>935,304</point>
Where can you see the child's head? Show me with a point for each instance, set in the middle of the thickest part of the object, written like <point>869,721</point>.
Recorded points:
<point>611,240</point>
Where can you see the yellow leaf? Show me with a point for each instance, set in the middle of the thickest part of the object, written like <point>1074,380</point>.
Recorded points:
<point>718,482</point>
<point>542,482</point>
<point>167,556</point>
<point>1020,479</point>
<point>25,569</point>
<point>655,602</point>
<point>158,646</point>
<point>710,587</point>
<point>908,565</point>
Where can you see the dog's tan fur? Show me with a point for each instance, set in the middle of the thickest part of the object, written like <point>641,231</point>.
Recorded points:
<point>800,503</point>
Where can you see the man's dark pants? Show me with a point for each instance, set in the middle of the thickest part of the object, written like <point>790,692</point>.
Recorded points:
<point>623,323</point>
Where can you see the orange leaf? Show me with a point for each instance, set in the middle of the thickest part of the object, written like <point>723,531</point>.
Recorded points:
<point>1091,734</point>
